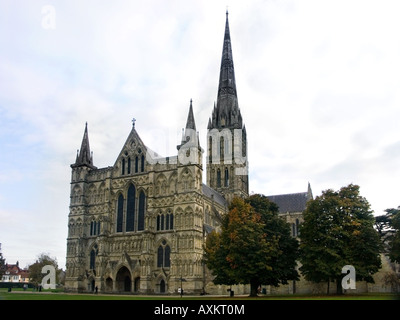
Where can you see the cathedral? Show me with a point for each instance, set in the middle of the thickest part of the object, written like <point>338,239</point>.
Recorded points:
<point>140,225</point>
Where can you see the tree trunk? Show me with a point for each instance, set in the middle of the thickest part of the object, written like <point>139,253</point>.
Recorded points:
<point>339,289</point>
<point>327,292</point>
<point>254,284</point>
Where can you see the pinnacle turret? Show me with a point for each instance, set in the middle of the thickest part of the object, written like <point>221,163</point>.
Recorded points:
<point>84,157</point>
<point>190,133</point>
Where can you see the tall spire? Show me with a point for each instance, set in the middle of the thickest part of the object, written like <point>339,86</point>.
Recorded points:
<point>227,165</point>
<point>227,83</point>
<point>84,156</point>
<point>226,114</point>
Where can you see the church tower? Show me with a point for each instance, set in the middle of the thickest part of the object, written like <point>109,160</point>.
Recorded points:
<point>227,165</point>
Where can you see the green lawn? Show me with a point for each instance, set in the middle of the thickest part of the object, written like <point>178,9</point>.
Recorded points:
<point>30,295</point>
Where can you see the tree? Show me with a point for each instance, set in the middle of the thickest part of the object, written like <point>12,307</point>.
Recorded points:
<point>338,230</point>
<point>393,216</point>
<point>2,264</point>
<point>254,246</point>
<point>35,269</point>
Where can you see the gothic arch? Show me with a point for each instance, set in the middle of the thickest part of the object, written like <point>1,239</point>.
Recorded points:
<point>123,279</point>
<point>186,179</point>
<point>77,194</point>
<point>130,208</point>
<point>163,258</point>
<point>161,284</point>
<point>119,219</point>
<point>173,183</point>
<point>91,254</point>
<point>79,227</point>
<point>71,227</point>
<point>188,217</point>
<point>161,185</point>
<point>102,192</point>
<point>142,206</point>
<point>92,193</point>
<point>178,218</point>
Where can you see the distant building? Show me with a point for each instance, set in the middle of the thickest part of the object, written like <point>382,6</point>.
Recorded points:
<point>13,273</point>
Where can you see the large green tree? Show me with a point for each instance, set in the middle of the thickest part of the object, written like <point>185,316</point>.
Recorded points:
<point>338,230</point>
<point>254,246</point>
<point>393,236</point>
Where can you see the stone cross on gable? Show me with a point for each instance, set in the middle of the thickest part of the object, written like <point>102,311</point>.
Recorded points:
<point>133,122</point>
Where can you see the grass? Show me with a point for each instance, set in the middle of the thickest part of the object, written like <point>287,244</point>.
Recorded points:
<point>49,295</point>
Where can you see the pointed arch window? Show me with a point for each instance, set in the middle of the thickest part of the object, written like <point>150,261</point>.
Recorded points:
<point>129,165</point>
<point>136,164</point>
<point>142,163</point>
<point>142,205</point>
<point>158,222</point>
<point>123,166</point>
<point>218,178</point>
<point>160,255</point>
<point>171,221</point>
<point>162,222</point>
<point>164,255</point>
<point>167,254</point>
<point>94,228</point>
<point>226,180</point>
<point>130,210</point>
<point>120,212</point>
<point>165,221</point>
<point>92,258</point>
<point>221,149</point>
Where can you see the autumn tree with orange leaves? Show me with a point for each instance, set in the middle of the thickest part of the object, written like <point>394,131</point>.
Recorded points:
<point>254,246</point>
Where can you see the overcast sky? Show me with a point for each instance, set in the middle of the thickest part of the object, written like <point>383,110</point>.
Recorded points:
<point>317,81</point>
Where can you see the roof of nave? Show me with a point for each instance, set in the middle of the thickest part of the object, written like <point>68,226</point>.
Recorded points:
<point>209,192</point>
<point>292,202</point>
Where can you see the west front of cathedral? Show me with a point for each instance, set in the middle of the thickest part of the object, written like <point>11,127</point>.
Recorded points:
<point>140,225</point>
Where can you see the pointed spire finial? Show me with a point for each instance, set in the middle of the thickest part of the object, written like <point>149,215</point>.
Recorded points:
<point>190,123</point>
<point>226,113</point>
<point>84,156</point>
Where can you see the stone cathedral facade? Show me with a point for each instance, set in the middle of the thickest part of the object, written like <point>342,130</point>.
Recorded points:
<point>139,226</point>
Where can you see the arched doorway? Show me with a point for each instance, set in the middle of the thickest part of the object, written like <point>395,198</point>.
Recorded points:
<point>127,284</point>
<point>162,286</point>
<point>92,285</point>
<point>123,281</point>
